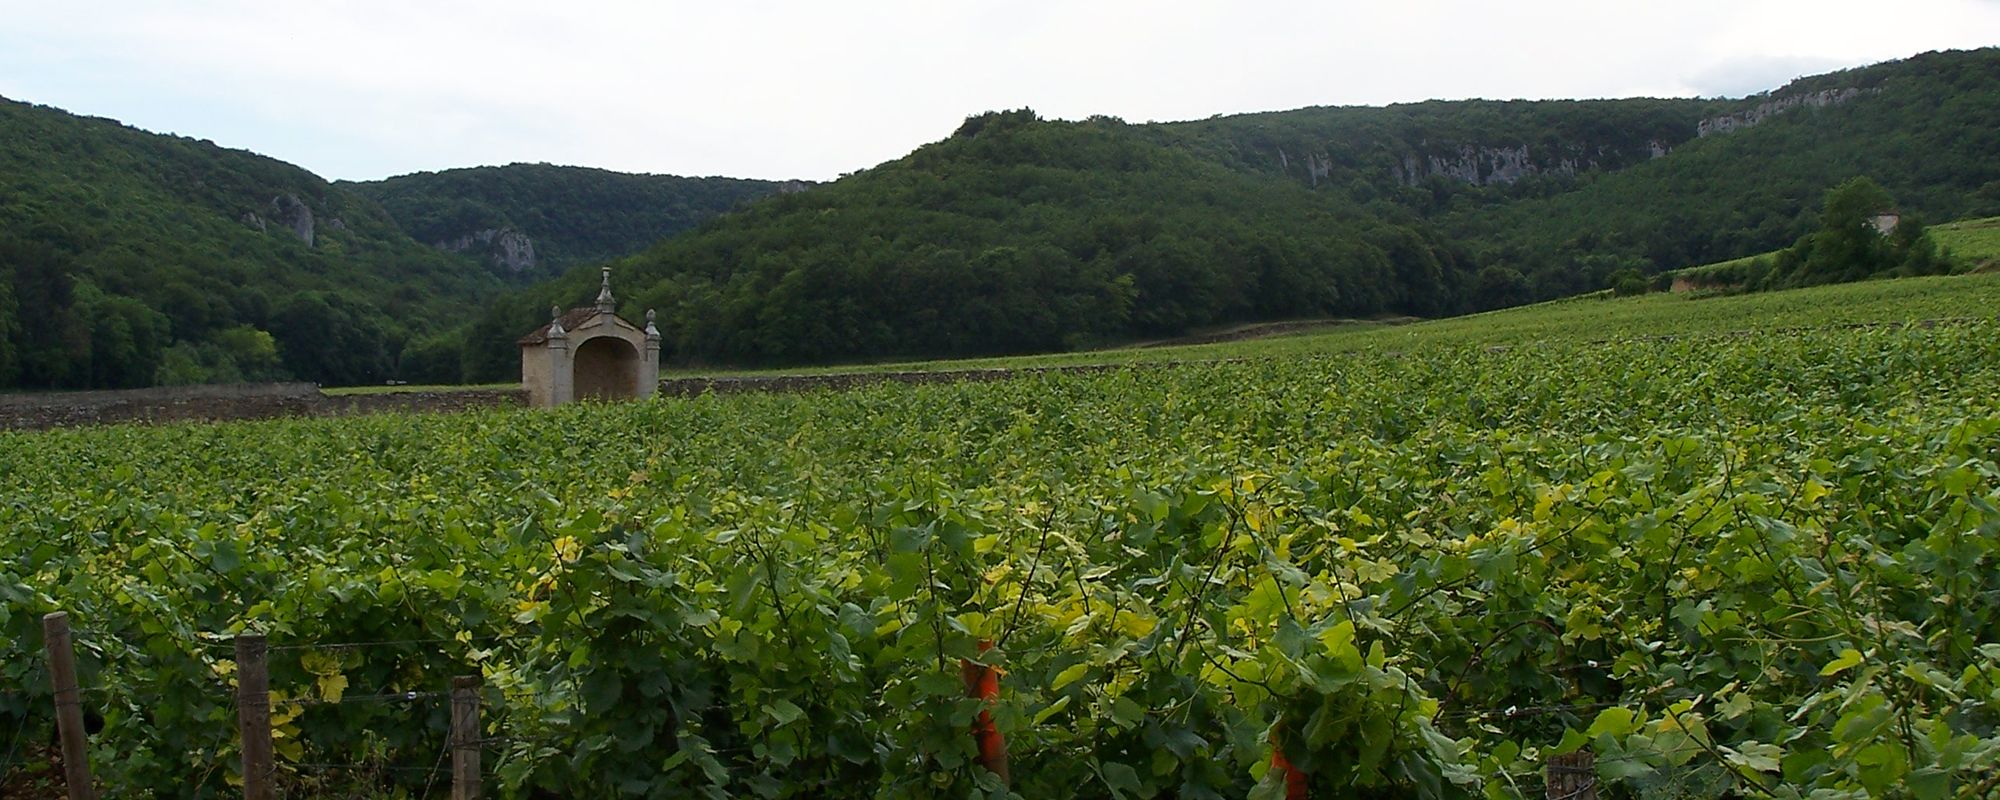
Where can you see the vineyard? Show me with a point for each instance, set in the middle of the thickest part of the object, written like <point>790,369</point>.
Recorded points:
<point>1724,566</point>
<point>1585,318</point>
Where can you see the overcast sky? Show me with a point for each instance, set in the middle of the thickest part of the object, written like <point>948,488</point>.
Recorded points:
<point>783,89</point>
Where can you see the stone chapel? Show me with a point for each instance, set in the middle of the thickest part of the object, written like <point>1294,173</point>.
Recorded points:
<point>590,353</point>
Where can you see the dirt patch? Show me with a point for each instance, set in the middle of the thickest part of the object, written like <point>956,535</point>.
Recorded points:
<point>35,773</point>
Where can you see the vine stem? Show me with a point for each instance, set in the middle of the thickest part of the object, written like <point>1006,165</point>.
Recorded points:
<point>1021,602</point>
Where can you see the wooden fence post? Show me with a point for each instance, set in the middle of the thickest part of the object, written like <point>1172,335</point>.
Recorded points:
<point>465,737</point>
<point>1296,787</point>
<point>69,707</point>
<point>253,715</point>
<point>1571,776</point>
<point>983,683</point>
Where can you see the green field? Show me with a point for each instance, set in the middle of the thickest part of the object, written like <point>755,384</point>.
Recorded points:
<point>1975,243</point>
<point>1415,563</point>
<point>1589,318</point>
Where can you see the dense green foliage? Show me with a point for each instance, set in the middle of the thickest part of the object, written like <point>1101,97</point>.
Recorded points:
<point>1848,245</point>
<point>573,215</point>
<point>129,258</point>
<point>1729,566</point>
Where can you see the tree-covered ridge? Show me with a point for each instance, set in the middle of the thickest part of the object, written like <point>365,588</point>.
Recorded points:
<point>571,215</point>
<point>1922,128</point>
<point>129,258</point>
<point>1555,196</point>
<point>1428,155</point>
<point>1021,234</point>
<point>1018,234</point>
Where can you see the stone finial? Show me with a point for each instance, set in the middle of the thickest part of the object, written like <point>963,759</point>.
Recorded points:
<point>605,302</point>
<point>555,322</point>
<point>652,331</point>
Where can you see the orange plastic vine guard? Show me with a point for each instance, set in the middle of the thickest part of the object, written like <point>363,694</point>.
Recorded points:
<point>983,682</point>
<point>1295,781</point>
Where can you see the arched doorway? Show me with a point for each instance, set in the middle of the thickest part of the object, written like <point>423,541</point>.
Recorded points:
<point>607,368</point>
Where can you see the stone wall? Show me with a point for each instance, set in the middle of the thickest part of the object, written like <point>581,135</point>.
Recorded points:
<point>227,402</point>
<point>691,387</point>
<point>444,400</point>
<point>268,400</point>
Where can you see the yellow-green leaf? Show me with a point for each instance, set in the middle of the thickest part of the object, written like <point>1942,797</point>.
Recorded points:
<point>1068,676</point>
<point>332,687</point>
<point>1848,658</point>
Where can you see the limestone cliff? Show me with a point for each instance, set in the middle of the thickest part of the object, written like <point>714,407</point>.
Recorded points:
<point>506,248</point>
<point>1775,106</point>
<point>289,211</point>
<point>1485,166</point>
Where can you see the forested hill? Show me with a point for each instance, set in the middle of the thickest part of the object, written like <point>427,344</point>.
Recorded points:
<point>1018,233</point>
<point>130,258</point>
<point>1422,154</point>
<point>1555,195</point>
<point>1924,128</point>
<point>532,220</point>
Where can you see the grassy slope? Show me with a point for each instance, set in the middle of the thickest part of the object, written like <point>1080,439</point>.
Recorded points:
<point>1975,242</point>
<point>1587,318</point>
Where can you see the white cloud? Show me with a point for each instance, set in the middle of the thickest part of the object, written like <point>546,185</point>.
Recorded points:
<point>771,88</point>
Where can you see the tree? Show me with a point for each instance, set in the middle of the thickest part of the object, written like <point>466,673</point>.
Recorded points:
<point>1499,287</point>
<point>1848,246</point>
<point>329,338</point>
<point>1627,282</point>
<point>10,329</point>
<point>126,338</point>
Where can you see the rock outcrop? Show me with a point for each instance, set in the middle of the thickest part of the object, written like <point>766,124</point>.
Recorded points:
<point>506,248</point>
<point>1483,166</point>
<point>294,215</point>
<point>1773,107</point>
